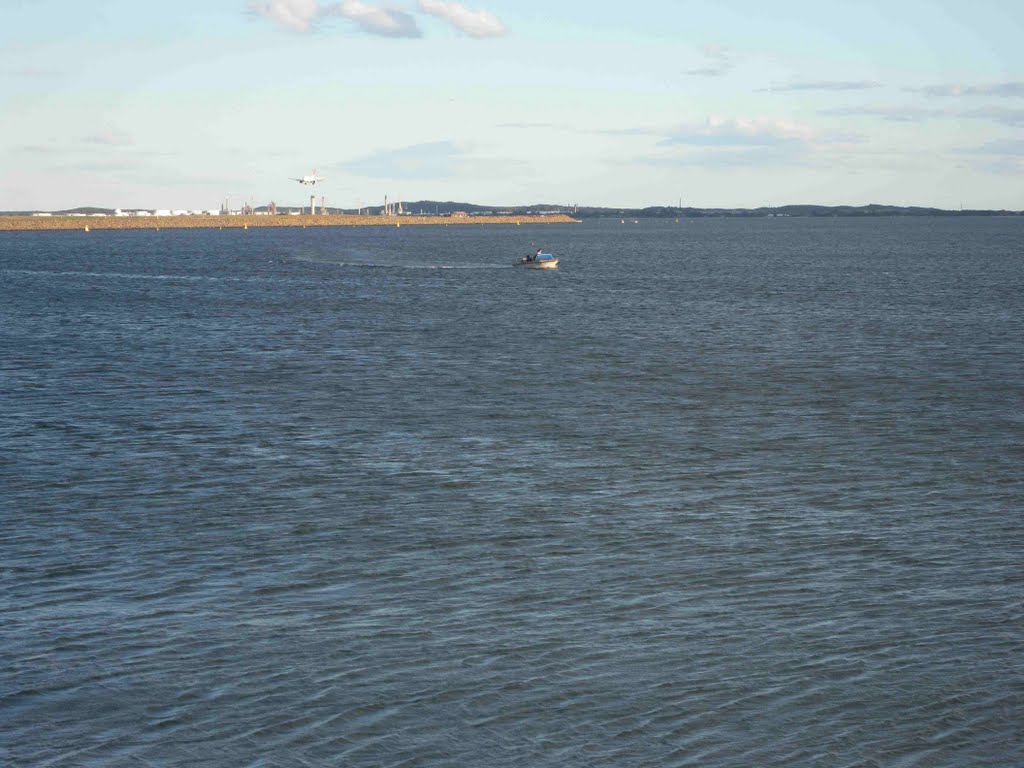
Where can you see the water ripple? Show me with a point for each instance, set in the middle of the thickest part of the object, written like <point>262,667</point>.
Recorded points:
<point>754,503</point>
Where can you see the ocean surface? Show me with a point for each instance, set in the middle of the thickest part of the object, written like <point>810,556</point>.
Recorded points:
<point>714,493</point>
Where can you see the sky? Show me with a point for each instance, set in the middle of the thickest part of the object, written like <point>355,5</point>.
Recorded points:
<point>188,103</point>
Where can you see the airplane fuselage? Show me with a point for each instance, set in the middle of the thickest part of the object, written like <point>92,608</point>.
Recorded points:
<point>309,180</point>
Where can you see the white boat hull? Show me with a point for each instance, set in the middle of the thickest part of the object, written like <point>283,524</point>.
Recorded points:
<point>544,264</point>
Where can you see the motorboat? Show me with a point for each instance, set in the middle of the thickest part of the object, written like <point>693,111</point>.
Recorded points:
<point>538,261</point>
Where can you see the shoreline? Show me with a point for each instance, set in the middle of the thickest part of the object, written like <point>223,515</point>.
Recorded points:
<point>89,223</point>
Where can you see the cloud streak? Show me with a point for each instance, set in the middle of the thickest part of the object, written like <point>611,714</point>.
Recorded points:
<point>635,131</point>
<point>897,113</point>
<point>915,114</point>
<point>1003,157</point>
<point>1002,147</point>
<point>477,24</point>
<point>1013,89</point>
<point>745,157</point>
<point>720,61</point>
<point>1011,117</point>
<point>533,126</point>
<point>108,138</point>
<point>30,72</point>
<point>824,85</point>
<point>431,160</point>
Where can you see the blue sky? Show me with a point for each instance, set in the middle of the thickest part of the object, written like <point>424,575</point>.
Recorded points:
<point>504,102</point>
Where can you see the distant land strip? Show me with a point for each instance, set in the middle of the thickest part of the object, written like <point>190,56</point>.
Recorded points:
<point>239,221</point>
<point>451,212</point>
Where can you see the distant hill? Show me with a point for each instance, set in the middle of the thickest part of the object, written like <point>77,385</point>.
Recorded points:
<point>784,210</point>
<point>86,210</point>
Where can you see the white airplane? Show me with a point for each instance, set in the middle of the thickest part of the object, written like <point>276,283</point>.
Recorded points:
<point>311,179</point>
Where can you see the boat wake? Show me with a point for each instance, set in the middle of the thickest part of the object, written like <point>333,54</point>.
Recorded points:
<point>138,276</point>
<point>428,266</point>
<point>379,265</point>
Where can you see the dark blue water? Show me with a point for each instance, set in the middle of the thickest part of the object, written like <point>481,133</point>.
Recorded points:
<point>715,493</point>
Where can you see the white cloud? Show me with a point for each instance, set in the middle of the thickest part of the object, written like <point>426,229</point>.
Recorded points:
<point>740,132</point>
<point>748,142</point>
<point>293,15</point>
<point>386,22</point>
<point>302,15</point>
<point>475,23</point>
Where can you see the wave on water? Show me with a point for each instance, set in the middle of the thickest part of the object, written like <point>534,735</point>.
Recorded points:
<point>303,499</point>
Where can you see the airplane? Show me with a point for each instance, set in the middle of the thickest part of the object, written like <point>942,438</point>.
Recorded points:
<point>310,179</point>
